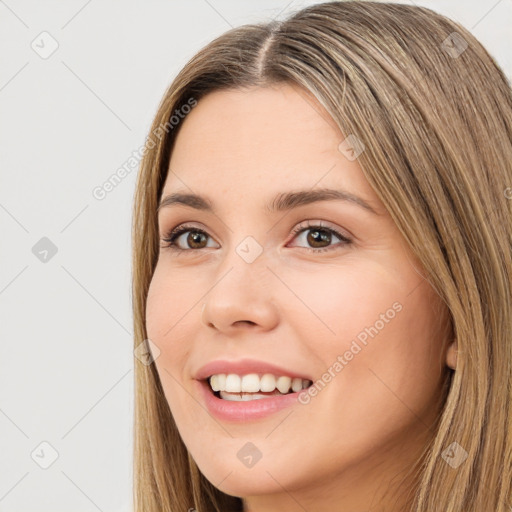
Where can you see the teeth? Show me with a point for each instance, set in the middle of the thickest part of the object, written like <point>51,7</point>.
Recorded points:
<point>218,382</point>
<point>283,384</point>
<point>253,383</point>
<point>268,382</point>
<point>297,384</point>
<point>233,383</point>
<point>250,383</point>
<point>239,397</point>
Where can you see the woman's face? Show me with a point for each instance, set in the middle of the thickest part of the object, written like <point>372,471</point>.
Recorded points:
<point>341,302</point>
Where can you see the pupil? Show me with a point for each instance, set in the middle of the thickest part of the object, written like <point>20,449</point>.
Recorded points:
<point>317,236</point>
<point>195,237</point>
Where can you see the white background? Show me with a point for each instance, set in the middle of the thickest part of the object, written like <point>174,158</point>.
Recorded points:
<point>67,123</point>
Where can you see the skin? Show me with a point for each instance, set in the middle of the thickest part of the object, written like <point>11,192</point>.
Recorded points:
<point>297,308</point>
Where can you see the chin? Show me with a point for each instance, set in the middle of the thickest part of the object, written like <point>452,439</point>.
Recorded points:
<point>237,480</point>
<point>244,485</point>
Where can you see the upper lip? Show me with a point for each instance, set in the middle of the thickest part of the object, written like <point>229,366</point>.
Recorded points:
<point>244,367</point>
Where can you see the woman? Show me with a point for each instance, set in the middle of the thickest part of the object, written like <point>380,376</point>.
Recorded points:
<point>322,271</point>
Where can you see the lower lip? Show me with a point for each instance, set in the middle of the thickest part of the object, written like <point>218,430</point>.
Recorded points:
<point>228,410</point>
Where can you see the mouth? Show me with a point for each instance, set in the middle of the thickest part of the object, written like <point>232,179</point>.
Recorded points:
<point>253,386</point>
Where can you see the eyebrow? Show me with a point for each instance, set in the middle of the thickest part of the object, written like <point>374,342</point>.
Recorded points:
<point>282,202</point>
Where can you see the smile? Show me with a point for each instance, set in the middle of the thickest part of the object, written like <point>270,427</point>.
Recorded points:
<point>254,386</point>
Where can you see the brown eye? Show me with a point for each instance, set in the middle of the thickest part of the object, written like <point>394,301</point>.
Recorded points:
<point>319,238</point>
<point>195,239</point>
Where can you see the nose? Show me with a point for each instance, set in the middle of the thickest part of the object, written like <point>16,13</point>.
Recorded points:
<point>242,296</point>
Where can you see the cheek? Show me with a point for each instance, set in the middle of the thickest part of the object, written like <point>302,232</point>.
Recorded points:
<point>379,332</point>
<point>171,318</point>
<point>170,305</point>
<point>338,303</point>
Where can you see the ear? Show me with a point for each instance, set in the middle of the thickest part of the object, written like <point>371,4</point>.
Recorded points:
<point>451,355</point>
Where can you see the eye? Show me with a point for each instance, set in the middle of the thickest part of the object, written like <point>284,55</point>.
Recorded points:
<point>320,237</point>
<point>195,238</point>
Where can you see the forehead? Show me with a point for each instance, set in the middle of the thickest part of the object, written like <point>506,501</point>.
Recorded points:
<point>272,118</point>
<point>261,140</point>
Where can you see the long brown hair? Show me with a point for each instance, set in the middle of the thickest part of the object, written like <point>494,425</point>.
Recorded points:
<point>434,112</point>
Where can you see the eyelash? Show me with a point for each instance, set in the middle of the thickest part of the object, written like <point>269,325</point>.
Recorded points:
<point>172,235</point>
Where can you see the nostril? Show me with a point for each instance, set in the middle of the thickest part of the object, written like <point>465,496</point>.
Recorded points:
<point>250,322</point>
